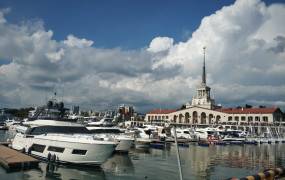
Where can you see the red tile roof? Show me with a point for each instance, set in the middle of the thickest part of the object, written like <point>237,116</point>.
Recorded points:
<point>248,110</point>
<point>161,111</point>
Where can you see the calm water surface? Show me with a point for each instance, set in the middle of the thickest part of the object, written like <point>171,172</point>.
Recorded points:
<point>215,162</point>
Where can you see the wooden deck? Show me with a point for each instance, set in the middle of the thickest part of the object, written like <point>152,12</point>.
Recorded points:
<point>12,160</point>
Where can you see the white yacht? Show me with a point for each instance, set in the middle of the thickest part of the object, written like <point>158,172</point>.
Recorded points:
<point>105,121</point>
<point>61,141</point>
<point>11,122</point>
<point>124,141</point>
<point>234,136</point>
<point>204,133</point>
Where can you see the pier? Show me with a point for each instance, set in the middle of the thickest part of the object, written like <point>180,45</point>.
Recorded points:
<point>12,160</point>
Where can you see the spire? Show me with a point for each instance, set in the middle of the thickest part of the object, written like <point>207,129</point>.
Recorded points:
<point>204,68</point>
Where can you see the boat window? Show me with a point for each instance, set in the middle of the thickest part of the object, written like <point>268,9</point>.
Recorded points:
<point>186,132</point>
<point>38,148</point>
<point>55,149</point>
<point>99,131</point>
<point>58,129</point>
<point>79,151</point>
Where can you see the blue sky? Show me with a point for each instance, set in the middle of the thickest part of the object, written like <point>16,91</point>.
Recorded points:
<point>117,23</point>
<point>143,53</point>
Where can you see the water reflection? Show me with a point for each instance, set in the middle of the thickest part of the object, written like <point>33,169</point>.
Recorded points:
<point>119,164</point>
<point>53,171</point>
<point>141,150</point>
<point>6,135</point>
<point>204,161</point>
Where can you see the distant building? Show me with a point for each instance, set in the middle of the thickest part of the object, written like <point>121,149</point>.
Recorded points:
<point>125,112</point>
<point>202,110</point>
<point>75,110</point>
<point>159,115</point>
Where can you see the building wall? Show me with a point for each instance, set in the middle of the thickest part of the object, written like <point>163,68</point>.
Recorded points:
<point>198,115</point>
<point>249,118</point>
<point>157,117</point>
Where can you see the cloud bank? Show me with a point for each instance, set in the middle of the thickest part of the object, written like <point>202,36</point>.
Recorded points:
<point>245,63</point>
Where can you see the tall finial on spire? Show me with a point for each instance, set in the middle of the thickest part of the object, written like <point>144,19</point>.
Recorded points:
<point>204,67</point>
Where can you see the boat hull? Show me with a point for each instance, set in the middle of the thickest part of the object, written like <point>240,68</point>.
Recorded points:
<point>96,153</point>
<point>142,143</point>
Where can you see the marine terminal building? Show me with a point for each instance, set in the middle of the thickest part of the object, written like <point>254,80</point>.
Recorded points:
<point>202,110</point>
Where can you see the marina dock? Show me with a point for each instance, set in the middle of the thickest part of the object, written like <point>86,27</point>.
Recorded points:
<point>12,160</point>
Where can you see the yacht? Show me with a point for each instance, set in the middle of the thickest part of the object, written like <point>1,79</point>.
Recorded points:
<point>115,134</point>
<point>10,122</point>
<point>204,134</point>
<point>105,121</point>
<point>56,140</point>
<point>186,133</point>
<point>234,136</point>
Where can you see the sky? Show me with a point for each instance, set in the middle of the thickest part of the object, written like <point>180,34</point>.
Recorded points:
<point>99,54</point>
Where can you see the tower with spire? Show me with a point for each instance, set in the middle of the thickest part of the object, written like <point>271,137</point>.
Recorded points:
<point>203,92</point>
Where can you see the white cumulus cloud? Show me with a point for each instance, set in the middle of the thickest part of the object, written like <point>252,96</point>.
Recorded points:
<point>55,56</point>
<point>159,44</point>
<point>73,41</point>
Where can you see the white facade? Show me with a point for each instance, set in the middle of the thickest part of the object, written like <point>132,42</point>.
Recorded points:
<point>158,116</point>
<point>203,116</point>
<point>202,98</point>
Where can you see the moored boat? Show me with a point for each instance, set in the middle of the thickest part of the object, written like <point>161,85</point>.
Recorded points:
<point>57,140</point>
<point>124,141</point>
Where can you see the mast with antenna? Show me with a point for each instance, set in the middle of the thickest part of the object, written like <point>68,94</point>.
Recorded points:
<point>204,66</point>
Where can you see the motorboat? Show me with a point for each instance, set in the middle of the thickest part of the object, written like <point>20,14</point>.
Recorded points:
<point>63,142</point>
<point>115,134</point>
<point>203,134</point>
<point>10,122</point>
<point>234,136</point>
<point>105,121</point>
<point>60,141</point>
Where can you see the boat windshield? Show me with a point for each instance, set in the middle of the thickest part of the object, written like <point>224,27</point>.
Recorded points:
<point>58,129</point>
